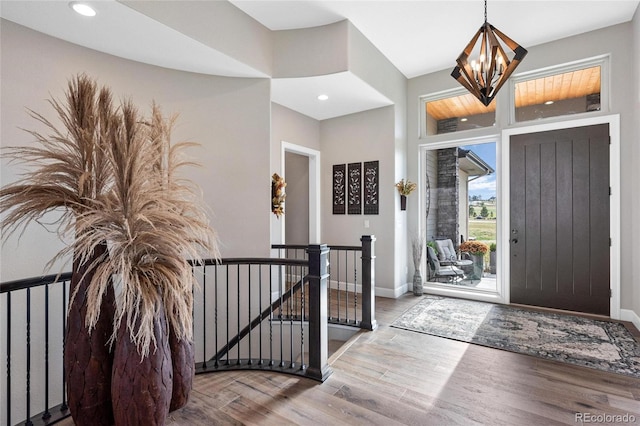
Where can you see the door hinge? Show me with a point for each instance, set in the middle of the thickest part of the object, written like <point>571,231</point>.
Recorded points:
<point>610,191</point>
<point>610,293</point>
<point>610,242</point>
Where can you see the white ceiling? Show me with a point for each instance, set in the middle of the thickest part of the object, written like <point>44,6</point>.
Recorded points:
<point>418,37</point>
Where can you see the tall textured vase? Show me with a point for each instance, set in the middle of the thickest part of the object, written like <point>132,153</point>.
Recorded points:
<point>141,387</point>
<point>417,283</point>
<point>184,368</point>
<point>87,357</point>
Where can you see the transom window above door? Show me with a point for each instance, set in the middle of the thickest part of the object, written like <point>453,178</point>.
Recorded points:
<point>561,94</point>
<point>563,90</point>
<point>456,113</point>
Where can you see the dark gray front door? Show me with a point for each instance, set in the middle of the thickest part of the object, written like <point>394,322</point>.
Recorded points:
<point>559,237</point>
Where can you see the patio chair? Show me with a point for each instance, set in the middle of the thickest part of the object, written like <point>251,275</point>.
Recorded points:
<point>449,273</point>
<point>447,254</point>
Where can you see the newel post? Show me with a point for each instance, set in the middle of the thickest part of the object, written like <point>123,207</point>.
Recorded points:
<point>318,325</point>
<point>368,283</point>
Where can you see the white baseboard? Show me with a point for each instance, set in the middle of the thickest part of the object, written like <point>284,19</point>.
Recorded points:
<point>393,293</point>
<point>629,315</point>
<point>344,286</point>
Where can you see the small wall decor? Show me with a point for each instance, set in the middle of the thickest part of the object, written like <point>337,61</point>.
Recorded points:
<point>405,188</point>
<point>277,195</point>
<point>339,185</point>
<point>371,187</point>
<point>354,198</point>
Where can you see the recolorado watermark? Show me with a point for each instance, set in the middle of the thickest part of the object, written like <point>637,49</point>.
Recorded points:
<point>605,418</point>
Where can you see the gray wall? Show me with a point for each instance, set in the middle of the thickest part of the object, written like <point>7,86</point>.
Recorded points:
<point>295,128</point>
<point>311,51</point>
<point>356,138</point>
<point>214,111</point>
<point>297,53</point>
<point>366,61</point>
<point>226,28</point>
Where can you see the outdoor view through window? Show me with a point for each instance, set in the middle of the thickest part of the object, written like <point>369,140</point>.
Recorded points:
<point>462,216</point>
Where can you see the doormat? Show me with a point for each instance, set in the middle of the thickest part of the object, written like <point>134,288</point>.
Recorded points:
<point>602,345</point>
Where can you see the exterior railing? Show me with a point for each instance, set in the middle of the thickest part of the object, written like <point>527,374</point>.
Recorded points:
<point>248,314</point>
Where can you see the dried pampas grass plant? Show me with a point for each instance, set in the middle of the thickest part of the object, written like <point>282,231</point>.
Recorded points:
<point>116,174</point>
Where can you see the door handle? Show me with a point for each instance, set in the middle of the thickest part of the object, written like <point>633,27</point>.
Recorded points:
<point>514,241</point>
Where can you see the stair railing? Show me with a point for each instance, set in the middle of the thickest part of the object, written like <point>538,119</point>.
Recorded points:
<point>351,283</point>
<point>251,314</point>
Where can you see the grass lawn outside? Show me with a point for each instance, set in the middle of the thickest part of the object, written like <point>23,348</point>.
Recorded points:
<point>484,231</point>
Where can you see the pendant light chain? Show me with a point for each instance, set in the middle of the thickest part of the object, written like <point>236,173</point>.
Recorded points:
<point>485,11</point>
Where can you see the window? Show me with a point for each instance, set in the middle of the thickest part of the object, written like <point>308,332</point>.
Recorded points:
<point>456,113</point>
<point>562,91</point>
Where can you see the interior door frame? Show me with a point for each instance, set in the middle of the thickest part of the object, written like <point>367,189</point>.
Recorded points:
<point>614,200</point>
<point>314,187</point>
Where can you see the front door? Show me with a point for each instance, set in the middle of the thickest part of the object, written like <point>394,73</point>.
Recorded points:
<point>559,213</point>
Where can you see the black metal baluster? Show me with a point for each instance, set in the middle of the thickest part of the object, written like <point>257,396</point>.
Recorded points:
<point>215,310</point>
<point>9,358</point>
<point>281,293</point>
<point>260,361</point>
<point>302,316</point>
<point>227,273</point>
<point>64,406</point>
<point>355,287</point>
<point>46,413</point>
<point>291,296</point>
<point>249,309</point>
<point>238,311</point>
<point>346,286</point>
<point>204,316</point>
<point>339,280</point>
<point>329,291</point>
<point>28,422</point>
<point>270,316</point>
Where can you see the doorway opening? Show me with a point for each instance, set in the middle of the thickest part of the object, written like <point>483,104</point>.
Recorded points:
<point>301,169</point>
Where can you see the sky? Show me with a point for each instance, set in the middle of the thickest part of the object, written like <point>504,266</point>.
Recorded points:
<point>484,187</point>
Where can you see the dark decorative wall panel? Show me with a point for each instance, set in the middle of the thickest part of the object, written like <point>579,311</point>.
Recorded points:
<point>371,187</point>
<point>354,199</point>
<point>339,188</point>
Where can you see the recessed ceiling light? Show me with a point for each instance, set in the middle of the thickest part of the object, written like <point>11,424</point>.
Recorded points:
<point>323,97</point>
<point>463,119</point>
<point>82,8</point>
<point>548,103</point>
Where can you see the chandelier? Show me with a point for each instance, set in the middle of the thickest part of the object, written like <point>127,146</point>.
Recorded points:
<point>485,73</point>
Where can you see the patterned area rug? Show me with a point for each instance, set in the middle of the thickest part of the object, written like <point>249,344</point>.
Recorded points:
<point>602,345</point>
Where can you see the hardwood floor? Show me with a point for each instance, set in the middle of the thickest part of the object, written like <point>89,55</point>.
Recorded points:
<point>397,377</point>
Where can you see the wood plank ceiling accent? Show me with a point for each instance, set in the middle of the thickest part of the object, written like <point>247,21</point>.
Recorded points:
<point>557,87</point>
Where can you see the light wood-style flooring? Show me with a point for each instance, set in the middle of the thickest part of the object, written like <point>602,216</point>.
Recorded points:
<point>396,377</point>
